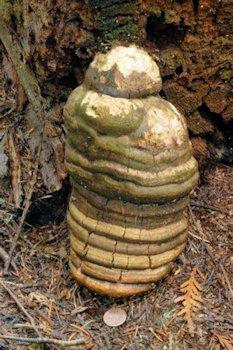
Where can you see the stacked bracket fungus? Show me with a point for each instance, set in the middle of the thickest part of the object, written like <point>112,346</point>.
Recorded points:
<point>131,167</point>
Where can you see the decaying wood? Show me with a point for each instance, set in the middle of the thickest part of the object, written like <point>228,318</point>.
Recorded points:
<point>26,77</point>
<point>32,90</point>
<point>193,40</point>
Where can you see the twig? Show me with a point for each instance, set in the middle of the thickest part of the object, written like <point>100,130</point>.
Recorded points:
<point>32,90</point>
<point>156,335</point>
<point>209,207</point>
<point>227,280</point>
<point>3,255</point>
<point>81,329</point>
<point>197,237</point>
<point>9,291</point>
<point>44,340</point>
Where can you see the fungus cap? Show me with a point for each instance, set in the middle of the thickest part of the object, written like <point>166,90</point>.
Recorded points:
<point>124,72</point>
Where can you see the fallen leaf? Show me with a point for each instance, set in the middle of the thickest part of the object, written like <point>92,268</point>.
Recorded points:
<point>114,317</point>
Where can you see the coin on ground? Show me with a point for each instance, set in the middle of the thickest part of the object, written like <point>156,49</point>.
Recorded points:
<point>114,317</point>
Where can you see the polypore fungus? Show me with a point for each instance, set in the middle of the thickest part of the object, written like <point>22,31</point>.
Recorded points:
<point>131,168</point>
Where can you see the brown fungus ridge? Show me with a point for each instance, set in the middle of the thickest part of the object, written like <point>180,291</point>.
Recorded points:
<point>116,289</point>
<point>122,246</point>
<point>132,169</point>
<point>122,219</point>
<point>112,188</point>
<point>152,210</point>
<point>175,174</point>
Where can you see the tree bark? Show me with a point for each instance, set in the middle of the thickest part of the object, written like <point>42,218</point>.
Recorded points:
<point>195,45</point>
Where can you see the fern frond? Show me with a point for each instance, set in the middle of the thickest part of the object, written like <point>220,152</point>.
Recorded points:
<point>226,341</point>
<point>192,299</point>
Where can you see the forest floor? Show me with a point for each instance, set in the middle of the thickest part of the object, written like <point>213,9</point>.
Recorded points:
<point>39,295</point>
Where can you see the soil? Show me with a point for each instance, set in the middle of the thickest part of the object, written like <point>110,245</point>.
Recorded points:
<point>62,309</point>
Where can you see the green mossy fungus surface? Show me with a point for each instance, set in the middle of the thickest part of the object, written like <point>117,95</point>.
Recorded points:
<point>108,116</point>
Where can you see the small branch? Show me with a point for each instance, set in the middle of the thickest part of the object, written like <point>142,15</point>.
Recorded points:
<point>13,296</point>
<point>209,207</point>
<point>43,340</point>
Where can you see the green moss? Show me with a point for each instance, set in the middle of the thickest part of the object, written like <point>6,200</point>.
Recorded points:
<point>109,29</point>
<point>126,30</point>
<point>17,10</point>
<point>170,16</point>
<point>103,23</point>
<point>6,10</point>
<point>156,11</point>
<point>37,347</point>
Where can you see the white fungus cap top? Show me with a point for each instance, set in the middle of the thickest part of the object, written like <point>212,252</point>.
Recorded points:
<point>131,59</point>
<point>124,72</point>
